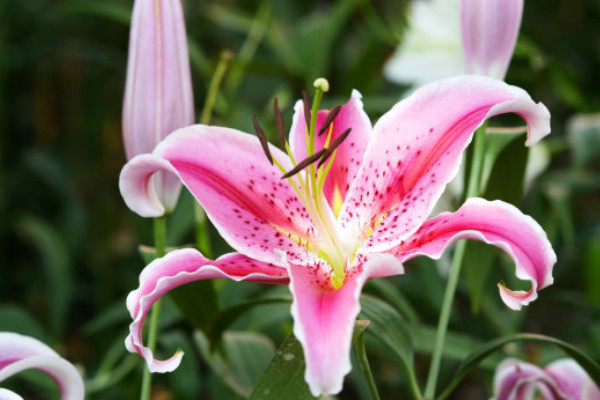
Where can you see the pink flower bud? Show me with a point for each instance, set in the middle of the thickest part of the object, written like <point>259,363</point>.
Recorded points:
<point>158,91</point>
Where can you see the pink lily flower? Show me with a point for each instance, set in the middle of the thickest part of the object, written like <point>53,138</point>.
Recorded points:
<point>358,212</point>
<point>563,379</point>
<point>18,352</point>
<point>489,34</point>
<point>158,90</point>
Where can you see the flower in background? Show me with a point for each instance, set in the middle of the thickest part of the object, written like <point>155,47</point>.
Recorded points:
<point>158,91</point>
<point>439,43</point>
<point>348,202</point>
<point>563,379</point>
<point>18,352</point>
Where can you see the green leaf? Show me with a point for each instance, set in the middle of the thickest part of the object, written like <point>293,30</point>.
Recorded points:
<point>227,317</point>
<point>57,269</point>
<point>284,377</point>
<point>197,301</point>
<point>389,327</point>
<point>17,319</point>
<point>590,366</point>
<point>456,345</point>
<point>240,359</point>
<point>322,29</point>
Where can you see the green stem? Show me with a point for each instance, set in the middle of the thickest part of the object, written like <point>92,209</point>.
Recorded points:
<point>202,235</point>
<point>365,367</point>
<point>472,189</point>
<point>160,238</point>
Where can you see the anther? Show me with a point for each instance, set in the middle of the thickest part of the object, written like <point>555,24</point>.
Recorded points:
<point>334,146</point>
<point>307,106</point>
<point>329,119</point>
<point>304,163</point>
<point>262,139</point>
<point>279,121</point>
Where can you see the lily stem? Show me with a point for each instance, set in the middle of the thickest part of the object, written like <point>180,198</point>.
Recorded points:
<point>472,190</point>
<point>202,234</point>
<point>365,367</point>
<point>160,239</point>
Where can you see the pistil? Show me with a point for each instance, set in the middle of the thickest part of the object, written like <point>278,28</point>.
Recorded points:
<point>309,186</point>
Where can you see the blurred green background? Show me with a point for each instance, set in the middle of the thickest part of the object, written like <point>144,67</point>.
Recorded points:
<point>69,246</point>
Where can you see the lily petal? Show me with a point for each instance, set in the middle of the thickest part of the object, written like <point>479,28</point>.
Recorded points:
<point>416,150</point>
<point>573,380</point>
<point>499,224</point>
<point>253,209</point>
<point>19,352</point>
<point>158,91</point>
<point>8,395</point>
<point>517,380</point>
<point>489,34</point>
<point>178,268</point>
<point>349,154</point>
<point>324,319</point>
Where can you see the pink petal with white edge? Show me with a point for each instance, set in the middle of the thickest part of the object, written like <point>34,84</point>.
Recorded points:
<point>324,319</point>
<point>158,91</point>
<point>489,34</point>
<point>226,170</point>
<point>138,181</point>
<point>416,149</point>
<point>178,268</point>
<point>499,224</point>
<point>517,380</point>
<point>19,352</point>
<point>572,380</point>
<point>8,395</point>
<point>349,154</point>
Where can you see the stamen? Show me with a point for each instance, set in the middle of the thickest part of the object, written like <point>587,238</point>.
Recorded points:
<point>263,139</point>
<point>334,146</point>
<point>329,119</point>
<point>304,163</point>
<point>306,102</point>
<point>279,121</point>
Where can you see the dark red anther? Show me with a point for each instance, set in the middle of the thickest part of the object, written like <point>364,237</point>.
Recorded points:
<point>279,121</point>
<point>336,143</point>
<point>304,163</point>
<point>307,106</point>
<point>329,119</point>
<point>262,138</point>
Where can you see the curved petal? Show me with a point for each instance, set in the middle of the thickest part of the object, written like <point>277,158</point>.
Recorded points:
<point>499,224</point>
<point>416,150</point>
<point>572,380</point>
<point>349,154</point>
<point>253,209</point>
<point>517,380</point>
<point>178,268</point>
<point>324,319</point>
<point>158,90</point>
<point>137,184</point>
<point>8,395</point>
<point>19,352</point>
<point>489,34</point>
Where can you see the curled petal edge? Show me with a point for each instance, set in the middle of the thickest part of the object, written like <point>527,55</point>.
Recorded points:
<point>173,270</point>
<point>137,185</point>
<point>23,352</point>
<point>514,299</point>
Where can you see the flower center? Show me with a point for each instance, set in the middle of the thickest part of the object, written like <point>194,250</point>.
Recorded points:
<point>307,178</point>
